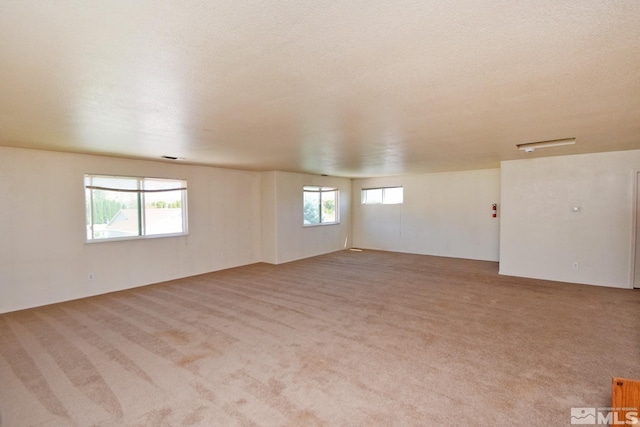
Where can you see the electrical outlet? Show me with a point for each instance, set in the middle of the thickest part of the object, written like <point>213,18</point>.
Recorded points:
<point>575,265</point>
<point>91,276</point>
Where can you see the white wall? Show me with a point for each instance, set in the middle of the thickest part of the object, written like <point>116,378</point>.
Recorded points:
<point>542,238</point>
<point>43,254</point>
<point>238,217</point>
<point>444,214</point>
<point>282,212</point>
<point>269,218</point>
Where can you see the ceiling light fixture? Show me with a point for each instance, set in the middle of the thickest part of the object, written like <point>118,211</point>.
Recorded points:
<point>531,146</point>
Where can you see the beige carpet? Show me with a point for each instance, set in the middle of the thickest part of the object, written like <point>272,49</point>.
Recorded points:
<point>351,338</point>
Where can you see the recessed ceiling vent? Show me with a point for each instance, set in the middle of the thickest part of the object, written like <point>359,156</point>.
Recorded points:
<point>530,147</point>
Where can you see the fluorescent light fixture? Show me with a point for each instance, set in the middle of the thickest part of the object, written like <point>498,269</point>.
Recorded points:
<point>531,146</point>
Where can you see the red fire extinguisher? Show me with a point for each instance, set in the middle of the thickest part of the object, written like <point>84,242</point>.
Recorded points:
<point>494,210</point>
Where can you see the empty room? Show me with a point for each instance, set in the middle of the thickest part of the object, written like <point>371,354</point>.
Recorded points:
<point>319,213</point>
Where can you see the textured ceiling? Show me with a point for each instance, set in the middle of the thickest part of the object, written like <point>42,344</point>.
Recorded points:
<point>357,88</point>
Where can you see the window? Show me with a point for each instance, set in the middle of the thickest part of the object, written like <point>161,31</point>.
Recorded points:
<point>120,207</point>
<point>386,196</point>
<point>320,205</point>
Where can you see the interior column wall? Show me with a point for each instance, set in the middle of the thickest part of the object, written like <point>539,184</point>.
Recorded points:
<point>569,218</point>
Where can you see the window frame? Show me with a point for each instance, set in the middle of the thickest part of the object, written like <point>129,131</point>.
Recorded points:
<point>139,191</point>
<point>363,198</point>
<point>320,190</point>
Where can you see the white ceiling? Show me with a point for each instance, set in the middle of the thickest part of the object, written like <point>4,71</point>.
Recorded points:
<point>348,88</point>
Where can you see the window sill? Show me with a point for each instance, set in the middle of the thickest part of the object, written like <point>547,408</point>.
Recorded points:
<point>126,239</point>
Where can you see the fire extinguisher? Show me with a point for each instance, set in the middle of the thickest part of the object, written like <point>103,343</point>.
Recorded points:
<point>494,210</point>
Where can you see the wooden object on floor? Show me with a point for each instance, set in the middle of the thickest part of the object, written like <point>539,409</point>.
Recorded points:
<point>625,394</point>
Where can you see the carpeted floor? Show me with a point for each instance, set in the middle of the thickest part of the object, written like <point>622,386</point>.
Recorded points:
<point>350,338</point>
